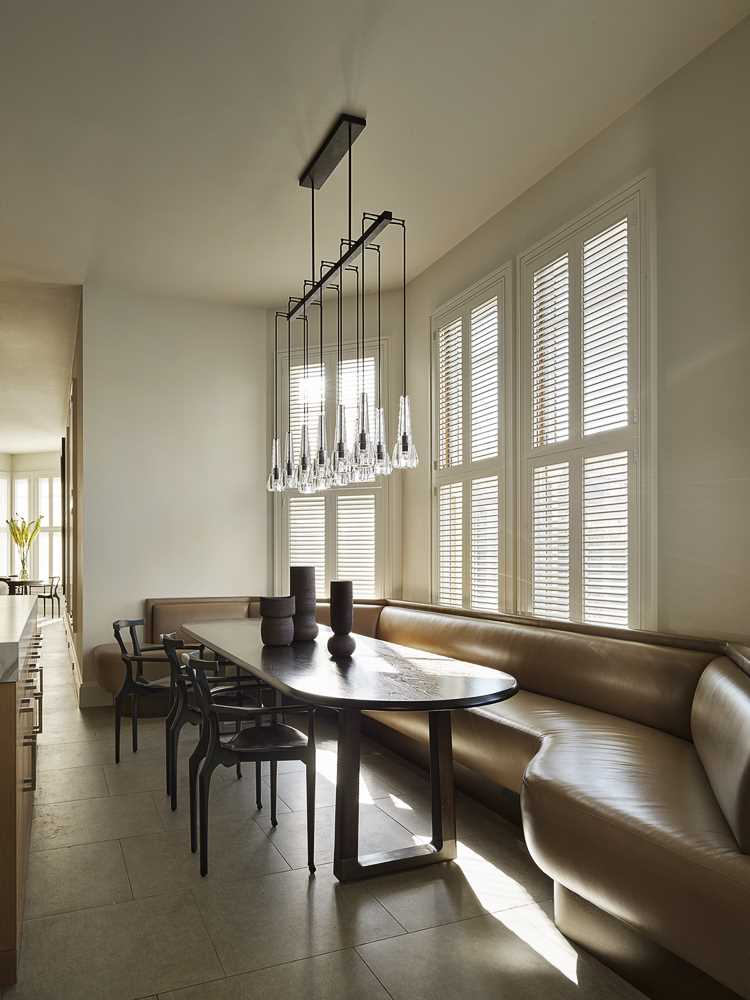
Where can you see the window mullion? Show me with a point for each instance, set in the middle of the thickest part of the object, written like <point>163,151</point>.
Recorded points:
<point>576,537</point>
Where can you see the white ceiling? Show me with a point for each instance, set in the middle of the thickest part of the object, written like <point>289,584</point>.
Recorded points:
<point>37,335</point>
<point>157,145</point>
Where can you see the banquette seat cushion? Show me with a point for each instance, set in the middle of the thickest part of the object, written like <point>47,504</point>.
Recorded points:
<point>619,805</point>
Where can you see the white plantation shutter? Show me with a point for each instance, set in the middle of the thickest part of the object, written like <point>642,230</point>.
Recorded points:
<point>312,389</point>
<point>551,540</point>
<point>352,376</point>
<point>586,444</point>
<point>605,539</point>
<point>550,351</point>
<point>450,394</point>
<point>307,536</point>
<point>485,389</point>
<point>605,330</point>
<point>485,565</point>
<point>450,544</point>
<point>355,542</point>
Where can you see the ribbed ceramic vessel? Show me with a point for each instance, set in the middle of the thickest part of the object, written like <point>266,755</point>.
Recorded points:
<point>277,624</point>
<point>341,645</point>
<point>302,588</point>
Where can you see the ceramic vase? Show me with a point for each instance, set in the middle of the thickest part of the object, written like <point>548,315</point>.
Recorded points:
<point>277,625</point>
<point>341,645</point>
<point>302,588</point>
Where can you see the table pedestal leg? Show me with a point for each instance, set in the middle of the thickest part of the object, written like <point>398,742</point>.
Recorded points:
<point>347,864</point>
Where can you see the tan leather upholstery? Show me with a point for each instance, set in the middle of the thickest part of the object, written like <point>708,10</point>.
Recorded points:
<point>365,618</point>
<point>721,733</point>
<point>166,614</point>
<point>626,818</point>
<point>653,685</point>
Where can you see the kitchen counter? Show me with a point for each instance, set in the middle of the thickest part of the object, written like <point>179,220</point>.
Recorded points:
<point>14,616</point>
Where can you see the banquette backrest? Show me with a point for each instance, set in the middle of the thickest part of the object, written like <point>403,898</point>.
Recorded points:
<point>646,683</point>
<point>166,614</point>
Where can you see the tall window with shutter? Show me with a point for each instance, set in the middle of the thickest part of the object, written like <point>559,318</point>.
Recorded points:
<point>580,457</point>
<point>470,478</point>
<point>342,533</point>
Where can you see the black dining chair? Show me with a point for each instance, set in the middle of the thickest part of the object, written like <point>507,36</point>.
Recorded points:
<point>51,593</point>
<point>184,709</point>
<point>263,738</point>
<point>135,685</point>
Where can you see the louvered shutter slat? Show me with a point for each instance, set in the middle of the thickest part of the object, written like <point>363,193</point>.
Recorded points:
<point>485,589</point>
<point>307,537</point>
<point>549,354</point>
<point>485,396</point>
<point>450,544</point>
<point>605,330</point>
<point>605,539</point>
<point>450,395</point>
<point>355,542</point>
<point>551,540</point>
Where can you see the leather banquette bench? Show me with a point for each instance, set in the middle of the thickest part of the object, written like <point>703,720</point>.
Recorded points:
<point>630,756</point>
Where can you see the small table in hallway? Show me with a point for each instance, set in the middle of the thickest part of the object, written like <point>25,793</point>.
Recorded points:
<point>382,677</point>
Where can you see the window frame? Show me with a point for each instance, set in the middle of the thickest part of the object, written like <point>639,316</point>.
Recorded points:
<point>500,283</point>
<point>638,437</point>
<point>637,199</point>
<point>380,487</point>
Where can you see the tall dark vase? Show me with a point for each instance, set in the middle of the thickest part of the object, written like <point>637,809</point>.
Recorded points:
<point>302,587</point>
<point>341,645</point>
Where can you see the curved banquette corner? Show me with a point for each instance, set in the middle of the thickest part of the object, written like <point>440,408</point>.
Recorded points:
<point>632,760</point>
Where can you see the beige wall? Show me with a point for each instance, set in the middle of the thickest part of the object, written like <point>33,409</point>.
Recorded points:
<point>693,131</point>
<point>174,442</point>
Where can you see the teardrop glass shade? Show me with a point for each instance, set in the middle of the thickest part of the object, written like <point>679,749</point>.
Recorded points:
<point>383,466</point>
<point>290,472</point>
<point>322,462</point>
<point>363,457</point>
<point>340,457</point>
<point>306,478</point>
<point>275,482</point>
<point>404,453</point>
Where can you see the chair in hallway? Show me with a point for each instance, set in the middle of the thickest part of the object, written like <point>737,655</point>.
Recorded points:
<point>263,739</point>
<point>185,710</point>
<point>51,593</point>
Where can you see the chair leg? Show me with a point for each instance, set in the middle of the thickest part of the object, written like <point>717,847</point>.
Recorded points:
<point>258,800</point>
<point>239,770</point>
<point>134,721</point>
<point>274,772</point>
<point>169,723</point>
<point>174,740</point>
<point>195,762</point>
<point>310,772</point>
<point>204,788</point>
<point>118,722</point>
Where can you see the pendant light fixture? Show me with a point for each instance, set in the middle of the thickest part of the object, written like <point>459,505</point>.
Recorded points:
<point>404,452</point>
<point>275,482</point>
<point>368,457</point>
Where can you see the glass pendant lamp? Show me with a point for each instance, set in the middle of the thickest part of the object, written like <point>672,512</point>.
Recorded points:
<point>275,482</point>
<point>404,451</point>
<point>381,459</point>
<point>340,457</point>
<point>305,475</point>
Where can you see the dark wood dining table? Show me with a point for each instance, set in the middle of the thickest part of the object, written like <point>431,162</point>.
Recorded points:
<point>379,676</point>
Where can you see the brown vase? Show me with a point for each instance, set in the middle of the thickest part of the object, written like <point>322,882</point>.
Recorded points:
<point>341,645</point>
<point>302,588</point>
<point>277,625</point>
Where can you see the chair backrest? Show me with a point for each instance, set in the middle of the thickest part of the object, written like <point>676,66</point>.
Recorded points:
<point>172,646</point>
<point>54,583</point>
<point>197,669</point>
<point>130,625</point>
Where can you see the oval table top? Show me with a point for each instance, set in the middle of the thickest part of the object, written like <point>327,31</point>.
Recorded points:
<point>380,675</point>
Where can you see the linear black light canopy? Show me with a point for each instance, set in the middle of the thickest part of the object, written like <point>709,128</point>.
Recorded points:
<point>332,150</point>
<point>311,295</point>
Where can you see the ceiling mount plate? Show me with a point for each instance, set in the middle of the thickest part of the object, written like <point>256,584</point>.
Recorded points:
<point>331,151</point>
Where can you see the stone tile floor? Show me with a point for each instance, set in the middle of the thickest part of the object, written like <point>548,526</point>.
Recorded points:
<point>116,908</point>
